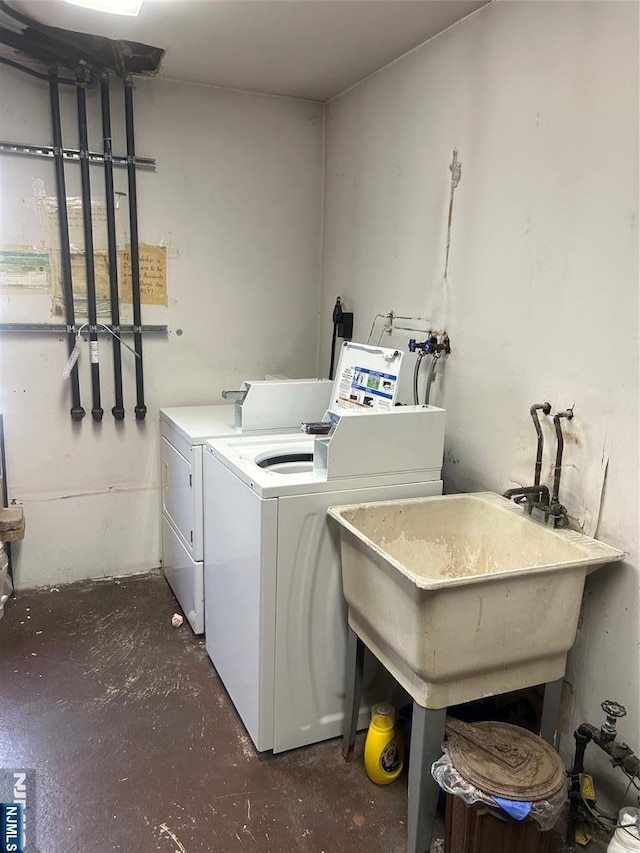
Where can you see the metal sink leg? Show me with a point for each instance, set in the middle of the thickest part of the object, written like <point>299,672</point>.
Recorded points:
<point>353,691</point>
<point>427,736</point>
<point>549,722</point>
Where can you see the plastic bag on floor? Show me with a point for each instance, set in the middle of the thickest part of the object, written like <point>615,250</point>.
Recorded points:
<point>544,812</point>
<point>6,587</point>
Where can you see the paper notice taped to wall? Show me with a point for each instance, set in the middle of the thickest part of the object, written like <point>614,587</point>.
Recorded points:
<point>101,275</point>
<point>48,208</point>
<point>153,274</point>
<point>25,270</point>
<point>75,219</point>
<point>79,280</point>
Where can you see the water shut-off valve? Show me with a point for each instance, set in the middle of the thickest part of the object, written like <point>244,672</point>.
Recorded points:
<point>614,711</point>
<point>424,347</point>
<point>431,345</point>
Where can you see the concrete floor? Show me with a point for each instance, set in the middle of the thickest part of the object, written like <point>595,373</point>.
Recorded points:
<point>137,747</point>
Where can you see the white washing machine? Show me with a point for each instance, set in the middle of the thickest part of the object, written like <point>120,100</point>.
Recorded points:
<point>276,620</point>
<point>260,406</point>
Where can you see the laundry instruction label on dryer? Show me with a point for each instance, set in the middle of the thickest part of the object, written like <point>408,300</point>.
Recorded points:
<point>366,388</point>
<point>366,379</point>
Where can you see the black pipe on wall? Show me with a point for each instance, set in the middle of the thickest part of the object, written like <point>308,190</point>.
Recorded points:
<point>77,412</point>
<point>31,71</point>
<point>140,408</point>
<point>118,410</point>
<point>85,183</point>
<point>5,493</point>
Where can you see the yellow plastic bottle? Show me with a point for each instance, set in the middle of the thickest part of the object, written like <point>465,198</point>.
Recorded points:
<point>383,747</point>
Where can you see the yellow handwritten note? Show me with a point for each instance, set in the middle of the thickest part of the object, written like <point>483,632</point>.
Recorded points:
<point>153,274</point>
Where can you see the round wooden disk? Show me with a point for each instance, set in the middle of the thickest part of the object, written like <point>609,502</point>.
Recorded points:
<point>507,761</point>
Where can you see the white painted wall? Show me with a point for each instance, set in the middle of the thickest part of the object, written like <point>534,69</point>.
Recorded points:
<point>237,199</point>
<point>541,100</point>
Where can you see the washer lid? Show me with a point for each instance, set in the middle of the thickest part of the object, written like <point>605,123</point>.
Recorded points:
<point>504,760</point>
<point>366,379</point>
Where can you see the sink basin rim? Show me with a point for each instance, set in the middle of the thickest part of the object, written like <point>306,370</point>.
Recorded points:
<point>602,553</point>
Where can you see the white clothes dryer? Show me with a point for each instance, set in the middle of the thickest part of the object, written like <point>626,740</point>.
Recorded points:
<point>271,406</point>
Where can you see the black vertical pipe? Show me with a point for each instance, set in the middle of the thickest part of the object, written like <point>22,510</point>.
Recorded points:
<point>77,412</point>
<point>140,409</point>
<point>334,337</point>
<point>5,492</point>
<point>337,321</point>
<point>85,183</point>
<point>118,410</point>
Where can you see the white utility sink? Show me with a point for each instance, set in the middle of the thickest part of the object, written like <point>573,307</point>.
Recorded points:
<point>464,596</point>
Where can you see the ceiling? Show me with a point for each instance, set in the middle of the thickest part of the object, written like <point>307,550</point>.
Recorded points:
<point>311,49</point>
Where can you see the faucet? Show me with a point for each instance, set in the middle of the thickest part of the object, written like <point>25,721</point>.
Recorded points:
<point>535,497</point>
<point>538,496</point>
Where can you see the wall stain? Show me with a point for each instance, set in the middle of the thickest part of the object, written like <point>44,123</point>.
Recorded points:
<point>572,438</point>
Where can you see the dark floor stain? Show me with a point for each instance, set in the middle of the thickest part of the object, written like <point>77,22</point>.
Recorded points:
<point>137,746</point>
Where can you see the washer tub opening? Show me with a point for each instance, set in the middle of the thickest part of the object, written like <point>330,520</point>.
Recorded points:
<point>287,463</point>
